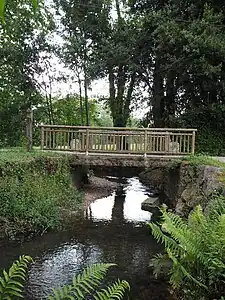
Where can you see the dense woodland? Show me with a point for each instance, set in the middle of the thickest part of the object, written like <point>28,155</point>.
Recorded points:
<point>168,55</point>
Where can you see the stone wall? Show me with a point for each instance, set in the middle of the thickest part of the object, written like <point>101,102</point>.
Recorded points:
<point>185,185</point>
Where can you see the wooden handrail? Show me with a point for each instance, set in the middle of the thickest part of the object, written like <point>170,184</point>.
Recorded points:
<point>118,128</point>
<point>164,141</point>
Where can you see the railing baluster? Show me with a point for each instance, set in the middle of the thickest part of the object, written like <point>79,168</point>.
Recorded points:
<point>119,140</point>
<point>188,144</point>
<point>46,139</point>
<point>87,141</point>
<point>42,137</point>
<point>193,143</point>
<point>145,143</point>
<point>185,146</point>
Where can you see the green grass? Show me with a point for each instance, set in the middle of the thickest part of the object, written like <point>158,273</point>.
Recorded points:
<point>21,155</point>
<point>202,160</point>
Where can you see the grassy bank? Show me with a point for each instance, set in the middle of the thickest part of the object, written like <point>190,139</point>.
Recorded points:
<point>197,160</point>
<point>34,189</point>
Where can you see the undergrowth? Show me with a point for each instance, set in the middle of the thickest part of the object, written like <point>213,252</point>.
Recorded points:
<point>33,193</point>
<point>194,250</point>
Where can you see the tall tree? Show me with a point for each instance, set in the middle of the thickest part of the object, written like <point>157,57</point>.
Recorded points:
<point>182,55</point>
<point>22,37</point>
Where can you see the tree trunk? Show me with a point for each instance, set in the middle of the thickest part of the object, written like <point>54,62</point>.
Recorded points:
<point>86,92</point>
<point>170,105</point>
<point>158,95</point>
<point>81,101</point>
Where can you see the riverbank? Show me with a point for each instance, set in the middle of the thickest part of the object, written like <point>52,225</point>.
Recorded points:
<point>34,189</point>
<point>187,182</point>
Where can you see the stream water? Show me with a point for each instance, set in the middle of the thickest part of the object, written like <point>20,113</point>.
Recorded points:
<point>113,230</point>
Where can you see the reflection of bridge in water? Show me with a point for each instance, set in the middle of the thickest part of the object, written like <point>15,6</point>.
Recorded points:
<point>118,143</point>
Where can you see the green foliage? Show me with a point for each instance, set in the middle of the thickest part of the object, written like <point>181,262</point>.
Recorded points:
<point>88,283</point>
<point>210,123</point>
<point>83,285</point>
<point>34,192</point>
<point>11,283</point>
<point>23,41</point>
<point>195,250</point>
<point>203,160</point>
<point>2,7</point>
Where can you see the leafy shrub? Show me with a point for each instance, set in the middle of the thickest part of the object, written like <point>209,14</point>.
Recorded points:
<point>210,122</point>
<point>34,201</point>
<point>194,250</point>
<point>83,285</point>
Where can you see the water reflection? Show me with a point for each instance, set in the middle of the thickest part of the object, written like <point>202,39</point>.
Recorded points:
<point>118,207</point>
<point>122,205</point>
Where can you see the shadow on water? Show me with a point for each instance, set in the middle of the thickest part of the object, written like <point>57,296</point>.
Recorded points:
<point>115,231</point>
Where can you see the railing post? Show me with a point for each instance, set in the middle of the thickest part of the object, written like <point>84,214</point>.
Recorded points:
<point>87,141</point>
<point>167,142</point>
<point>193,143</point>
<point>42,137</point>
<point>146,142</point>
<point>29,129</point>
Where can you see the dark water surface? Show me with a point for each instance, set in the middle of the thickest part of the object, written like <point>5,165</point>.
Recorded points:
<point>113,230</point>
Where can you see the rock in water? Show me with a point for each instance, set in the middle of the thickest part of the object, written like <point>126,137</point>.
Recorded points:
<point>150,204</point>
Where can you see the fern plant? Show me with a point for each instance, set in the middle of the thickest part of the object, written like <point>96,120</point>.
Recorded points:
<point>195,250</point>
<point>83,285</point>
<point>87,283</point>
<point>11,283</point>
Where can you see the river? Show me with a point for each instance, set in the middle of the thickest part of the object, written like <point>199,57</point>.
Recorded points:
<point>114,229</point>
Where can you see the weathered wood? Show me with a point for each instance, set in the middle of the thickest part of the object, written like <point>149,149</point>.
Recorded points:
<point>29,129</point>
<point>42,138</point>
<point>122,140</point>
<point>193,143</point>
<point>121,128</point>
<point>87,141</point>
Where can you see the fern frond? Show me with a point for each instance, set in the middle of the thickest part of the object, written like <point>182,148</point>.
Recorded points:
<point>166,240</point>
<point>216,207</point>
<point>115,291</point>
<point>83,284</point>
<point>177,276</point>
<point>160,264</point>
<point>12,283</point>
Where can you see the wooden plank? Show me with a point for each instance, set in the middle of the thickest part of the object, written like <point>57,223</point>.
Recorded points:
<point>46,139</point>
<point>146,142</point>
<point>61,139</point>
<point>120,128</point>
<point>193,143</point>
<point>68,139</point>
<point>42,138</point>
<point>87,141</point>
<point>153,140</point>
<point>160,144</point>
<point>102,141</point>
<point>54,139</point>
<point>50,139</point>
<point>188,144</point>
<point>185,151</point>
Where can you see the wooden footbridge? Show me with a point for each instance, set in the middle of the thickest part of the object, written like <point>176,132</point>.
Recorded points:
<point>98,142</point>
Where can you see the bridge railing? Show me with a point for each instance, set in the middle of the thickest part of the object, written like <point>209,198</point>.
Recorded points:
<point>163,141</point>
